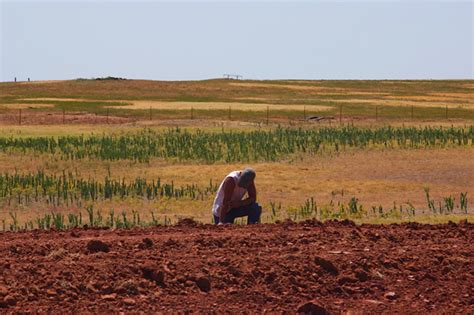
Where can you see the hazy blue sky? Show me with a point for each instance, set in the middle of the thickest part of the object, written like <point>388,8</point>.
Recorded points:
<point>259,40</point>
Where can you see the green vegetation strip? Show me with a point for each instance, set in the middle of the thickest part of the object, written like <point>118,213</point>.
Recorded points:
<point>234,146</point>
<point>354,210</point>
<point>351,210</point>
<point>72,190</point>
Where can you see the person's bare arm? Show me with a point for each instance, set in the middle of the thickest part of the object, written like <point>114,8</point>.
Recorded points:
<point>252,192</point>
<point>229,186</point>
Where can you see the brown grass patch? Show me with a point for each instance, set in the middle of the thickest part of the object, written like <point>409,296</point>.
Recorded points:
<point>280,86</point>
<point>375,177</point>
<point>469,96</point>
<point>401,102</point>
<point>427,98</point>
<point>218,106</point>
<point>41,82</point>
<point>25,106</point>
<point>324,90</point>
<point>165,105</point>
<point>59,99</point>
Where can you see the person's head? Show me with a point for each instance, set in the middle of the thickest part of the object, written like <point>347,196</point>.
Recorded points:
<point>246,178</point>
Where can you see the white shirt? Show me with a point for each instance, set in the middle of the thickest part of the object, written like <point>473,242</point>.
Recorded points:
<point>237,194</point>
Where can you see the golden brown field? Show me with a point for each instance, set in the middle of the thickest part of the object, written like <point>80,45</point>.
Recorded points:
<point>375,176</point>
<point>356,101</point>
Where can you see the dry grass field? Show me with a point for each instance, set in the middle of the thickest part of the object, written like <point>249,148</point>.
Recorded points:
<point>357,100</point>
<point>376,176</point>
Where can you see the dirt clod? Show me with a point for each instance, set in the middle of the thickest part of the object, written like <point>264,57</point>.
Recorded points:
<point>326,265</point>
<point>127,287</point>
<point>187,222</point>
<point>270,277</point>
<point>3,291</point>
<point>95,246</point>
<point>51,292</point>
<point>146,243</point>
<point>58,254</point>
<point>361,275</point>
<point>391,295</point>
<point>312,308</point>
<point>287,223</point>
<point>129,301</point>
<point>204,284</point>
<point>250,273</point>
<point>150,274</point>
<point>109,297</point>
<point>10,299</point>
<point>75,233</point>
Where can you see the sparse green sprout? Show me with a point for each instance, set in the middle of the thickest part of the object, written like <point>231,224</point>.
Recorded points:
<point>111,221</point>
<point>431,204</point>
<point>90,212</point>
<point>14,224</point>
<point>449,204</point>
<point>463,202</point>
<point>411,209</point>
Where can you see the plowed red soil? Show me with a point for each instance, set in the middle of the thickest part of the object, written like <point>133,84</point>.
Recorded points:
<point>343,268</point>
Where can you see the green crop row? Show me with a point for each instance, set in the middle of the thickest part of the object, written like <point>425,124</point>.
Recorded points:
<point>352,210</point>
<point>234,146</point>
<point>69,189</point>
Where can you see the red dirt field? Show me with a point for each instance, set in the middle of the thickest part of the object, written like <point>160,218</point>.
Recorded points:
<point>343,268</point>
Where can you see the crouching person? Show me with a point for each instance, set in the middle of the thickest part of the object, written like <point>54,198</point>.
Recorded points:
<point>228,203</point>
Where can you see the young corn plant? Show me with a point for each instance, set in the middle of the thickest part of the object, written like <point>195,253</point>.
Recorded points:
<point>90,212</point>
<point>355,209</point>
<point>58,220</point>
<point>73,220</point>
<point>136,218</point>
<point>463,202</point>
<point>98,218</point>
<point>308,209</point>
<point>431,204</point>
<point>442,209</point>
<point>411,209</point>
<point>14,224</point>
<point>378,211</point>
<point>449,204</point>
<point>111,221</point>
<point>275,210</point>
<point>125,223</point>
<point>154,220</point>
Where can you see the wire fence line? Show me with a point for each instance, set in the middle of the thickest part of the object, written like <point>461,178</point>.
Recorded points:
<point>339,114</point>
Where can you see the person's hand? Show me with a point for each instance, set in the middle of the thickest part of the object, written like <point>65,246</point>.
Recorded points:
<point>221,215</point>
